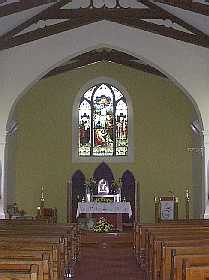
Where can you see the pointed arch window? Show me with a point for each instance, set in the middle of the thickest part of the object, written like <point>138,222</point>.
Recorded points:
<point>103,122</point>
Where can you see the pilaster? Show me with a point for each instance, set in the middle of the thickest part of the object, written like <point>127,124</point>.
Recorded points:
<point>2,176</point>
<point>205,134</point>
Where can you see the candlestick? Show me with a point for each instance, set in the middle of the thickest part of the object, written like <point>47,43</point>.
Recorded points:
<point>187,200</point>
<point>157,209</point>
<point>42,197</point>
<point>187,194</point>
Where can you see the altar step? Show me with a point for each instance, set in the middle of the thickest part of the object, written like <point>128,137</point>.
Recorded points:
<point>107,240</point>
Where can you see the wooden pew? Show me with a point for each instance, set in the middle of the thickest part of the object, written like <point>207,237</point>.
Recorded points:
<point>154,245</point>
<point>141,229</point>
<point>43,263</point>
<point>22,221</point>
<point>185,221</point>
<point>154,264</point>
<point>201,231</point>
<point>18,272</point>
<point>169,265</point>
<point>29,254</point>
<point>53,244</point>
<point>70,230</point>
<point>61,241</point>
<point>191,271</point>
<point>57,264</point>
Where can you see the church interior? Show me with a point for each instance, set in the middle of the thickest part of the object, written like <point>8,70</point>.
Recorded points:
<point>104,139</point>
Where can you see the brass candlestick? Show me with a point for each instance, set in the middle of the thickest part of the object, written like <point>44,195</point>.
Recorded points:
<point>42,199</point>
<point>156,201</point>
<point>187,202</point>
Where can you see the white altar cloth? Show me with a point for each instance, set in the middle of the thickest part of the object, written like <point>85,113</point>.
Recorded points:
<point>95,207</point>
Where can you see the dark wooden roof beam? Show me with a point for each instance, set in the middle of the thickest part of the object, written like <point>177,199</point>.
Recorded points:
<point>164,31</point>
<point>22,5</point>
<point>112,56</point>
<point>62,13</point>
<point>45,32</point>
<point>75,18</point>
<point>31,21</point>
<point>174,18</point>
<point>187,5</point>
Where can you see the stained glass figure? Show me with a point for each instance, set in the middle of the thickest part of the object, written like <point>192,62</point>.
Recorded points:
<point>84,127</point>
<point>103,122</point>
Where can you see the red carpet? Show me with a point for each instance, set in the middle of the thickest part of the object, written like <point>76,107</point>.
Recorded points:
<point>107,264</point>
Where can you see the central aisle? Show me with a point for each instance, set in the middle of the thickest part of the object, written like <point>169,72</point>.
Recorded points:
<point>107,263</point>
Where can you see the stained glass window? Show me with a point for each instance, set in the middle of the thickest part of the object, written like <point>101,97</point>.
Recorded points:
<point>103,122</point>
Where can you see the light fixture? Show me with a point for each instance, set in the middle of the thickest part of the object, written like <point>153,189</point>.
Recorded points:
<point>12,128</point>
<point>196,127</point>
<point>195,149</point>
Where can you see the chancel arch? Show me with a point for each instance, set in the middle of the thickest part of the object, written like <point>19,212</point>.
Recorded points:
<point>102,35</point>
<point>144,129</point>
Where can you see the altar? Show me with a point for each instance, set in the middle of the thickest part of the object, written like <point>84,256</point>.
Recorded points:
<point>111,211</point>
<point>102,196</point>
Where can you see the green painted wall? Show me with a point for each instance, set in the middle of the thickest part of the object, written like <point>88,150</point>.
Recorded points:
<point>161,133</point>
<point>11,171</point>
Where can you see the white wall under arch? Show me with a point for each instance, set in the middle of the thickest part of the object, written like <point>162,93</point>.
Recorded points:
<point>185,64</point>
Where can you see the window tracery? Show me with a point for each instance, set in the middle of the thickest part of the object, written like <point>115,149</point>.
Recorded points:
<point>103,122</point>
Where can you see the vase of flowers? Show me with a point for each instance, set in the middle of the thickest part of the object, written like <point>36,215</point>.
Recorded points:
<point>102,225</point>
<point>91,186</point>
<point>116,186</point>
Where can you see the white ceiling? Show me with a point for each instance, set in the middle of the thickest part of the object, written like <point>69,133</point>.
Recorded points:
<point>199,21</point>
<point>9,22</point>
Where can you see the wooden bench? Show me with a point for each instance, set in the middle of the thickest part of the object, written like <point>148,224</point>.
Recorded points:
<point>55,244</point>
<point>57,263</point>
<point>141,229</point>
<point>43,263</point>
<point>151,240</point>
<point>191,271</point>
<point>18,272</point>
<point>22,221</point>
<point>169,265</point>
<point>71,232</point>
<point>153,251</point>
<point>60,241</point>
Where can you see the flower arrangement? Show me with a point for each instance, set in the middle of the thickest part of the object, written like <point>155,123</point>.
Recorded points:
<point>91,185</point>
<point>104,200</point>
<point>116,184</point>
<point>102,225</point>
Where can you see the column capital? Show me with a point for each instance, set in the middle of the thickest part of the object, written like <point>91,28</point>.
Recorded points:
<point>205,134</point>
